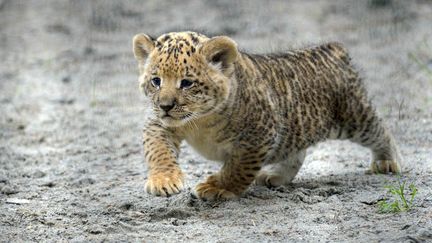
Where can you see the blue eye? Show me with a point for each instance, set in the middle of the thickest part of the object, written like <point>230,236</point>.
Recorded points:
<point>156,81</point>
<point>185,83</point>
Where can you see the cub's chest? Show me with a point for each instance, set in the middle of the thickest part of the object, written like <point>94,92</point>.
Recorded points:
<point>204,142</point>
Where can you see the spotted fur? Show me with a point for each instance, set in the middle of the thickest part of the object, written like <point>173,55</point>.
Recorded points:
<point>255,113</point>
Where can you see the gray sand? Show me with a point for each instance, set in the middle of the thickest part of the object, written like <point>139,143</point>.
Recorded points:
<point>71,163</point>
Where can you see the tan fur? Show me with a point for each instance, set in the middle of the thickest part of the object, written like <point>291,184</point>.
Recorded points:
<point>255,113</point>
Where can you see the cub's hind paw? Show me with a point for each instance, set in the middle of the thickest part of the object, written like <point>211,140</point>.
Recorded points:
<point>163,184</point>
<point>269,180</point>
<point>385,167</point>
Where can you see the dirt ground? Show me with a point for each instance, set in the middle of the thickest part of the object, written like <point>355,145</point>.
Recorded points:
<point>71,116</point>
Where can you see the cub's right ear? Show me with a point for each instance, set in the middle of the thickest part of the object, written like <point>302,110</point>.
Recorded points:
<point>142,46</point>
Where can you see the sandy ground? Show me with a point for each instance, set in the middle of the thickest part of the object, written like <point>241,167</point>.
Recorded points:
<point>71,118</point>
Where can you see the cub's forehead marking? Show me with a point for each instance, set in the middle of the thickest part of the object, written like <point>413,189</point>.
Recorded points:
<point>182,42</point>
<point>174,53</point>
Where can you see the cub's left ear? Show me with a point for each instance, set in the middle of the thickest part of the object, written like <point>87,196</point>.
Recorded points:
<point>220,49</point>
<point>143,45</point>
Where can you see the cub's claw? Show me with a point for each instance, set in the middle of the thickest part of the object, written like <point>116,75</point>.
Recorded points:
<point>385,167</point>
<point>207,191</point>
<point>210,190</point>
<point>270,180</point>
<point>164,184</point>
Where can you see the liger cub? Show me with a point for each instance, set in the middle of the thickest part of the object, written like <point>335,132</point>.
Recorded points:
<point>255,113</point>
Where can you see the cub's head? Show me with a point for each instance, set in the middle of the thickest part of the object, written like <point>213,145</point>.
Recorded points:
<point>186,75</point>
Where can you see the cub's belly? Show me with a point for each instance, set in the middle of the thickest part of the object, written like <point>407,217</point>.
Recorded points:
<point>208,148</point>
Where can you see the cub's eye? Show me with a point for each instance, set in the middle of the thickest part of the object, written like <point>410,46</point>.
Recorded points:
<point>156,82</point>
<point>185,84</point>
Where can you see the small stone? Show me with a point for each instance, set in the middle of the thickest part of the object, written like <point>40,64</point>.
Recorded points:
<point>3,179</point>
<point>174,221</point>
<point>81,214</point>
<point>197,174</point>
<point>65,101</point>
<point>66,79</point>
<point>177,222</point>
<point>83,182</point>
<point>405,227</point>
<point>49,184</point>
<point>8,190</point>
<point>17,201</point>
<point>95,231</point>
<point>39,174</point>
<point>58,28</point>
<point>88,50</point>
<point>425,234</point>
<point>48,222</point>
<point>126,206</point>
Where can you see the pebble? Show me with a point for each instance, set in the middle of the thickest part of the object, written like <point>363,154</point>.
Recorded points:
<point>425,234</point>
<point>95,230</point>
<point>3,179</point>
<point>8,190</point>
<point>126,206</point>
<point>66,79</point>
<point>88,50</point>
<point>49,184</point>
<point>17,201</point>
<point>39,174</point>
<point>177,222</point>
<point>83,182</point>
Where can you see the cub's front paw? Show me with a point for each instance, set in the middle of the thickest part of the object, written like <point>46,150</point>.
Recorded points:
<point>211,190</point>
<point>385,167</point>
<point>164,184</point>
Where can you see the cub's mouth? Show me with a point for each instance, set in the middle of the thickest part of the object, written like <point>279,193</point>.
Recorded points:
<point>175,121</point>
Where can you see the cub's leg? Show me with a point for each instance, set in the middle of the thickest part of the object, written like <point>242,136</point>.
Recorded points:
<point>161,149</point>
<point>233,179</point>
<point>365,128</point>
<point>280,173</point>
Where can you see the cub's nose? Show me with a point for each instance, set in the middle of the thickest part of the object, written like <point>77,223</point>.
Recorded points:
<point>167,107</point>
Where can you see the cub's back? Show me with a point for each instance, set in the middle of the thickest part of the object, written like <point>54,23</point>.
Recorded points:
<point>322,74</point>
<point>306,89</point>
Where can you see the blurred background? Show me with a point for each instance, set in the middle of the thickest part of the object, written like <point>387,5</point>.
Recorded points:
<point>86,44</point>
<point>71,114</point>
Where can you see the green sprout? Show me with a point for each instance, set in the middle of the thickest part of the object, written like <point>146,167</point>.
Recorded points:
<point>401,200</point>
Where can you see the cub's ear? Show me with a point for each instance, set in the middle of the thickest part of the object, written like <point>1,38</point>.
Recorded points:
<point>220,50</point>
<point>142,46</point>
